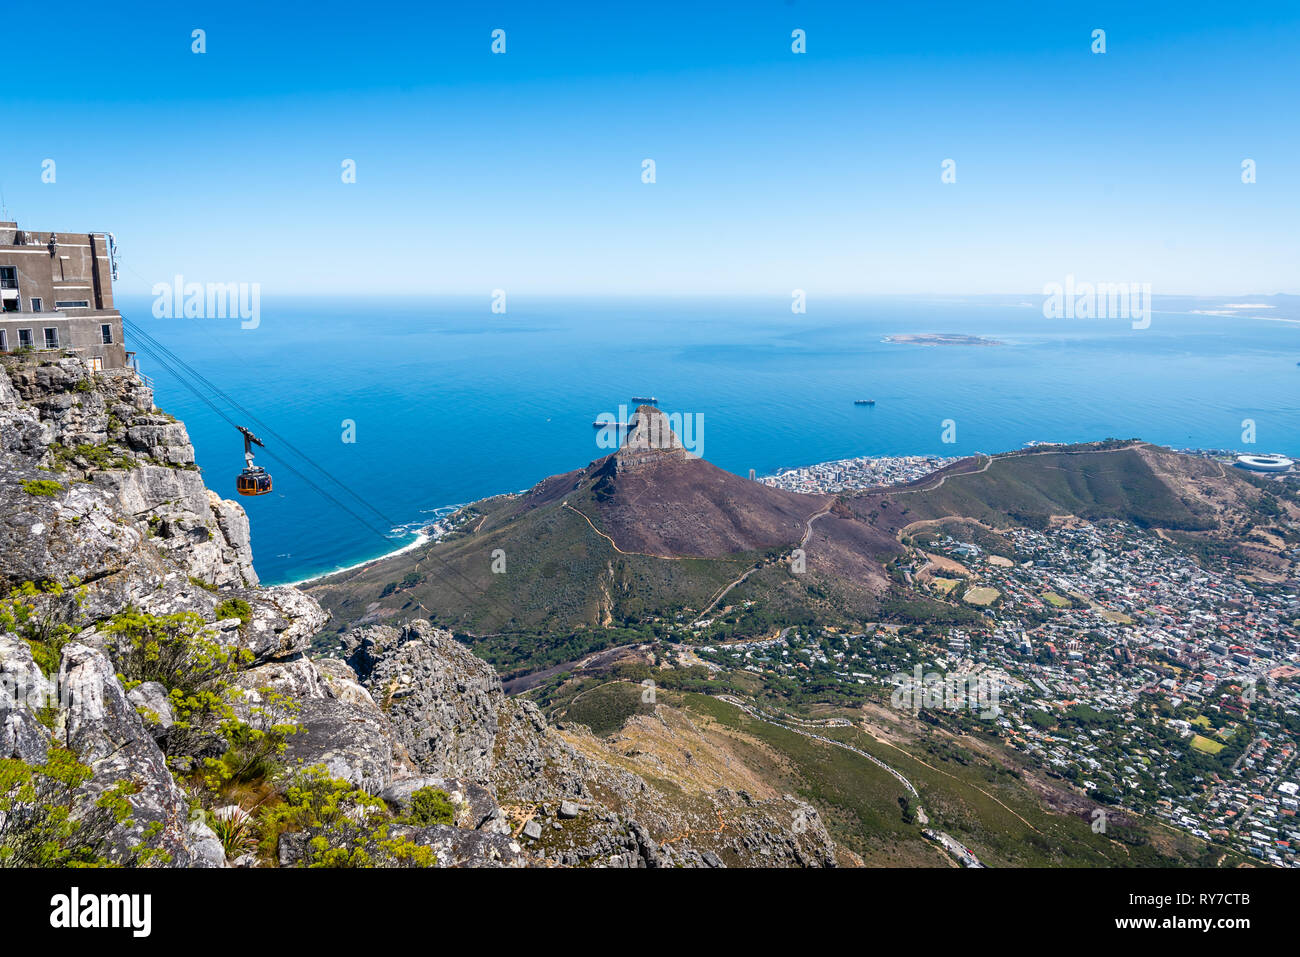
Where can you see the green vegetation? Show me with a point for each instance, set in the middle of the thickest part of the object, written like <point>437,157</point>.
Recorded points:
<point>42,488</point>
<point>38,615</point>
<point>100,457</point>
<point>1204,744</point>
<point>605,708</point>
<point>235,608</point>
<point>430,806</point>
<point>338,824</point>
<point>562,577</point>
<point>174,650</point>
<point>46,819</point>
<point>1029,488</point>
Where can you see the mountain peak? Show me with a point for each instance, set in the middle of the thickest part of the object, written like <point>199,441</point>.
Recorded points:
<point>650,442</point>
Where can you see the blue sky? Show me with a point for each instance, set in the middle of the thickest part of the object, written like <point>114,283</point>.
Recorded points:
<point>775,171</point>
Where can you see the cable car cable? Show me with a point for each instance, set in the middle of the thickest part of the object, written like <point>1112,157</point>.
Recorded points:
<point>155,350</point>
<point>136,330</point>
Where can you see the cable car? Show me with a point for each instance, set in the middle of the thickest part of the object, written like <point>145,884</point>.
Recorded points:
<point>254,480</point>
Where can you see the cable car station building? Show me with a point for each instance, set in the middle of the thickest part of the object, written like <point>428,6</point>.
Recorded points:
<point>56,294</point>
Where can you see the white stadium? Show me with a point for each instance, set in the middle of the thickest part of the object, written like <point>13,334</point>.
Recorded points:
<point>1265,463</point>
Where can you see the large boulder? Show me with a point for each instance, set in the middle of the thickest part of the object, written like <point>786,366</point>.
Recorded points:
<point>353,743</point>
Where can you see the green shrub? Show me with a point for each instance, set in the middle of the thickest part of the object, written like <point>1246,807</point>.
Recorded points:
<point>431,806</point>
<point>175,650</point>
<point>48,820</point>
<point>42,488</point>
<point>254,748</point>
<point>97,456</point>
<point>235,608</point>
<point>343,825</point>
<point>40,616</point>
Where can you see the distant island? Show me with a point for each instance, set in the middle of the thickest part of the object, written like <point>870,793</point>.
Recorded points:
<point>943,339</point>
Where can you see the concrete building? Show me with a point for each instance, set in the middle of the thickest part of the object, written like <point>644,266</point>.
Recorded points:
<point>56,293</point>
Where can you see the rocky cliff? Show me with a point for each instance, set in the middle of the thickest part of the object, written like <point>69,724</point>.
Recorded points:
<point>158,707</point>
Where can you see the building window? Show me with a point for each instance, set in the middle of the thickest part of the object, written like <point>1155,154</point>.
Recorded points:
<point>9,288</point>
<point>72,304</point>
<point>25,339</point>
<point>106,334</point>
<point>37,305</point>
<point>4,341</point>
<point>51,337</point>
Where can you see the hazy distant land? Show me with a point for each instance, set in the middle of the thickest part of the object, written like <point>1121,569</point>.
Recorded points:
<point>942,339</point>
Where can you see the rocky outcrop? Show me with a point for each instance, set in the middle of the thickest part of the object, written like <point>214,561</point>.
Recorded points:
<point>650,442</point>
<point>441,699</point>
<point>126,483</point>
<point>24,692</point>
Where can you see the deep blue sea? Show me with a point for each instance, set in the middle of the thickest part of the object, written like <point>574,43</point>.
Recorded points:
<point>452,403</point>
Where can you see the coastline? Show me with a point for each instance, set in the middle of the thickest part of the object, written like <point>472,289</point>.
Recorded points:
<point>427,532</point>
<point>422,537</point>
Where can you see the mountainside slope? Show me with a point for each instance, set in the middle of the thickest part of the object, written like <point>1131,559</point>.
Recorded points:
<point>1192,499</point>
<point>648,534</point>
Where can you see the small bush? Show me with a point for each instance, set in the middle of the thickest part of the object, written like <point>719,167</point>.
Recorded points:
<point>344,826</point>
<point>96,456</point>
<point>40,615</point>
<point>48,820</point>
<point>42,488</point>
<point>235,608</point>
<point>174,650</point>
<point>431,806</point>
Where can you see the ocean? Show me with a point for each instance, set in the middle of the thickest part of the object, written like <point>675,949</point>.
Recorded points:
<point>446,402</point>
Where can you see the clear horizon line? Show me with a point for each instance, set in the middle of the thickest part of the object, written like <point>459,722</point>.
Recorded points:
<point>733,294</point>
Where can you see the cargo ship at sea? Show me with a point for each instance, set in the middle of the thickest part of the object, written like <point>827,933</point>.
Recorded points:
<point>645,400</point>
<point>864,401</point>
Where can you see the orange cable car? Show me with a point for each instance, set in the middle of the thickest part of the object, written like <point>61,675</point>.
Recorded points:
<point>254,480</point>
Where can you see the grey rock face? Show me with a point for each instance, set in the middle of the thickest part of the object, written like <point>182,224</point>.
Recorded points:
<point>296,678</point>
<point>23,690</point>
<point>342,682</point>
<point>534,763</point>
<point>204,845</point>
<point>353,743</point>
<point>162,439</point>
<point>130,495</point>
<point>284,621</point>
<point>460,847</point>
<point>442,701</point>
<point>155,708</point>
